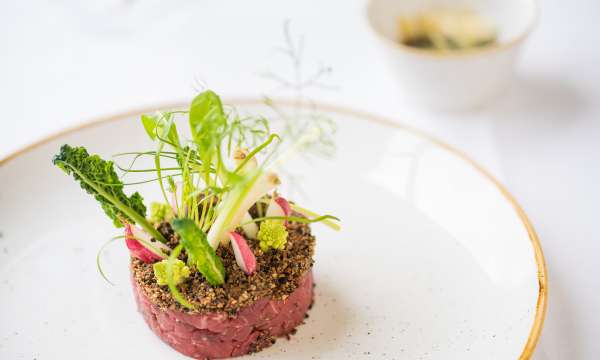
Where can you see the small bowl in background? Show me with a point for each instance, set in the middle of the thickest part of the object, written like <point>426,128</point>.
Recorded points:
<point>461,79</point>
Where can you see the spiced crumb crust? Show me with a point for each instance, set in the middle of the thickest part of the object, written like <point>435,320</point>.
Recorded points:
<point>277,276</point>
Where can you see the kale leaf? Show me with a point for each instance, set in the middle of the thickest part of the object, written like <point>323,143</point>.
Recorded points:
<point>98,178</point>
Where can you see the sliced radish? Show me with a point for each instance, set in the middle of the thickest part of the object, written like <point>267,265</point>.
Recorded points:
<point>144,237</point>
<point>137,249</point>
<point>284,204</point>
<point>278,206</point>
<point>274,209</point>
<point>243,255</point>
<point>250,227</point>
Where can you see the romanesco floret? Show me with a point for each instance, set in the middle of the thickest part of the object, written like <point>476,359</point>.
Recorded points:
<point>272,234</point>
<point>160,212</point>
<point>180,271</point>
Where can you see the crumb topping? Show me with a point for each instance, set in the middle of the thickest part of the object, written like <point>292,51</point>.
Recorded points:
<point>277,276</point>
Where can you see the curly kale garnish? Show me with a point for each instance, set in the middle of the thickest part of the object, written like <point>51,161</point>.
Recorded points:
<point>211,197</point>
<point>87,168</point>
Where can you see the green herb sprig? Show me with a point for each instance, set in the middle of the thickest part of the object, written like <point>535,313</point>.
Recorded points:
<point>206,193</point>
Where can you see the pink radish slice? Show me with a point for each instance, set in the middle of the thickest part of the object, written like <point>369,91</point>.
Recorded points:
<point>136,248</point>
<point>243,255</point>
<point>274,209</point>
<point>284,204</point>
<point>279,206</point>
<point>142,235</point>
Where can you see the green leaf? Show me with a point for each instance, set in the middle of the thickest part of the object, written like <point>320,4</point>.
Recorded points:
<point>98,178</point>
<point>208,122</point>
<point>161,125</point>
<point>164,130</point>
<point>200,253</point>
<point>85,168</point>
<point>150,122</point>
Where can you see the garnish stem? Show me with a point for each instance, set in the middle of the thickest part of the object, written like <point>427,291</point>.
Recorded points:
<point>100,253</point>
<point>322,218</point>
<point>171,282</point>
<point>309,213</point>
<point>140,220</point>
<point>258,149</point>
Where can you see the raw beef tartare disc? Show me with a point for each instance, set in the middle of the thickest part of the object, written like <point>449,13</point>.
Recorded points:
<point>246,314</point>
<point>218,335</point>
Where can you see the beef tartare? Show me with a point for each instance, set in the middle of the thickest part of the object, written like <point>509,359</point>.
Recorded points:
<point>222,266</point>
<point>243,315</point>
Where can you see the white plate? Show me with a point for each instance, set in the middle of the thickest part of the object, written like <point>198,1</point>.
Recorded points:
<point>435,261</point>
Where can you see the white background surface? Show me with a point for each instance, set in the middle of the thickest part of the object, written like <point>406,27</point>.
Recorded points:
<point>66,62</point>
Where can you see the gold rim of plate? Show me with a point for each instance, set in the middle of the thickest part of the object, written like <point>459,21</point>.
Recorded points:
<point>542,301</point>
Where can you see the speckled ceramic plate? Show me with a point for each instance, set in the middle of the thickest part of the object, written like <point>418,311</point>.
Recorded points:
<point>436,259</point>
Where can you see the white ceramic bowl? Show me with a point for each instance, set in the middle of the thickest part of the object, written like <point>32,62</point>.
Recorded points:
<point>454,80</point>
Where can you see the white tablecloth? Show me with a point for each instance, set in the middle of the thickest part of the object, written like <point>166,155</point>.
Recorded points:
<point>66,62</point>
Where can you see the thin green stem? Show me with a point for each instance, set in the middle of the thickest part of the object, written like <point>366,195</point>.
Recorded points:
<point>146,170</point>
<point>144,153</point>
<point>151,180</point>
<point>159,173</point>
<point>137,218</point>
<point>309,213</point>
<point>98,265</point>
<point>256,151</point>
<point>295,219</point>
<point>171,281</point>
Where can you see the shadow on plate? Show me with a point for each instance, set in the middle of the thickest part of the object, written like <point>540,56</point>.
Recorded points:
<point>327,328</point>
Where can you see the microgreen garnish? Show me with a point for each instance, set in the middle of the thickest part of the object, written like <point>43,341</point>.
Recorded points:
<point>298,119</point>
<point>321,218</point>
<point>99,254</point>
<point>208,183</point>
<point>98,178</point>
<point>326,219</point>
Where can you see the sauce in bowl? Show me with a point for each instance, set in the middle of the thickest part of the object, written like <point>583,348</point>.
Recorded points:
<point>444,30</point>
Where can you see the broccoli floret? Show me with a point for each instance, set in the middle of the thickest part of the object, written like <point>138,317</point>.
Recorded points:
<point>160,212</point>
<point>180,272</point>
<point>272,234</point>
